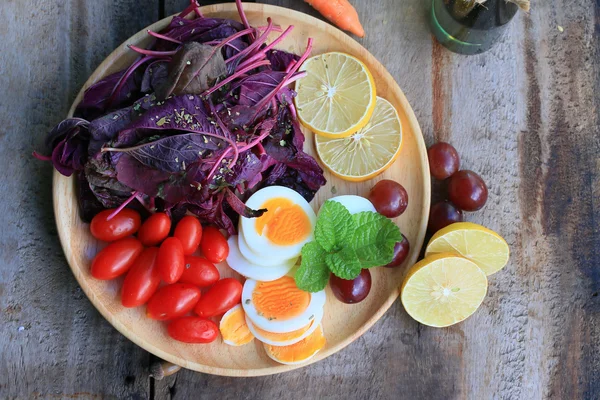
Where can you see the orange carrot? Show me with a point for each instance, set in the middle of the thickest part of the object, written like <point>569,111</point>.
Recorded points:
<point>341,13</point>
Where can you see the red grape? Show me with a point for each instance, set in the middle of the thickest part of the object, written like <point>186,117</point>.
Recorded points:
<point>467,190</point>
<point>351,291</point>
<point>401,250</point>
<point>443,214</point>
<point>389,198</point>
<point>443,160</point>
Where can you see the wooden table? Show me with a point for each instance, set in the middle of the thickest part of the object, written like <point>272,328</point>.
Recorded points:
<point>524,115</point>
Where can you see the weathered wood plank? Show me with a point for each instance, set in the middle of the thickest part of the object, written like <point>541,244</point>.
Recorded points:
<point>53,343</point>
<point>175,6</point>
<point>524,115</point>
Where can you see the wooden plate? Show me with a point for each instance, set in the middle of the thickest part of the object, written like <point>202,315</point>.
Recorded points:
<point>342,323</point>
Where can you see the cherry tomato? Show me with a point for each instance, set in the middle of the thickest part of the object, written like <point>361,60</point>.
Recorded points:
<point>199,271</point>
<point>155,229</point>
<point>172,301</point>
<point>214,245</point>
<point>443,214</point>
<point>401,250</point>
<point>467,190</point>
<point>389,198</point>
<point>220,298</point>
<point>170,260</point>
<point>116,258</point>
<point>124,224</point>
<point>443,160</point>
<point>193,330</point>
<point>142,280</point>
<point>351,291</point>
<point>189,232</point>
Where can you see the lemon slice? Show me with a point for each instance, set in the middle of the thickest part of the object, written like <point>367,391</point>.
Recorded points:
<point>443,289</point>
<point>479,244</point>
<point>337,97</point>
<point>368,152</point>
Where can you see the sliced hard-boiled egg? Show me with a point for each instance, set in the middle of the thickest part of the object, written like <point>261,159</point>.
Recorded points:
<point>284,339</point>
<point>279,306</point>
<point>299,352</point>
<point>234,329</point>
<point>284,228</point>
<point>266,260</point>
<point>243,266</point>
<point>354,204</point>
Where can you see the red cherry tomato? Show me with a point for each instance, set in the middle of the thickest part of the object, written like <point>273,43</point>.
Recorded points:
<point>116,258</point>
<point>170,260</point>
<point>193,330</point>
<point>189,232</point>
<point>172,301</point>
<point>142,280</point>
<point>199,271</point>
<point>214,245</point>
<point>155,229</point>
<point>220,298</point>
<point>124,224</point>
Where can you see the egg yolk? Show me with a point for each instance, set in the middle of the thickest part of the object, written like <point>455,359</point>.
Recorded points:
<point>284,223</point>
<point>282,337</point>
<point>280,299</point>
<point>234,329</point>
<point>300,351</point>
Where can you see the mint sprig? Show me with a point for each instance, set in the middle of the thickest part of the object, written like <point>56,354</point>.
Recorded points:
<point>345,244</point>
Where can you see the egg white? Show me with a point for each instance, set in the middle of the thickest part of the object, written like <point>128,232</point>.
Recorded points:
<point>354,204</point>
<point>313,327</point>
<point>260,244</point>
<point>317,302</point>
<point>243,266</point>
<point>265,259</point>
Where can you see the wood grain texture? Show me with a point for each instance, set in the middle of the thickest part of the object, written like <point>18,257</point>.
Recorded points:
<point>524,115</point>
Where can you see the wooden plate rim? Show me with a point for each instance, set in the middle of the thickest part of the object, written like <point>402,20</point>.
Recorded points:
<point>60,181</point>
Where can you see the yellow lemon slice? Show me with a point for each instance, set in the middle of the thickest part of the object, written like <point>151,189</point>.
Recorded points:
<point>443,289</point>
<point>368,152</point>
<point>337,97</point>
<point>479,244</point>
<point>234,329</point>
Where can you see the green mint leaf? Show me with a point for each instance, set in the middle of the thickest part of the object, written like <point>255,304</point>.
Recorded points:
<point>335,226</point>
<point>344,264</point>
<point>374,239</point>
<point>313,274</point>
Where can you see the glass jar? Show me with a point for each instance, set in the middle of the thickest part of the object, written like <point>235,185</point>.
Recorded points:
<point>469,26</point>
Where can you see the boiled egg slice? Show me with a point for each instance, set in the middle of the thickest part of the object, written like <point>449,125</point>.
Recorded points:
<point>279,306</point>
<point>284,228</point>
<point>266,260</point>
<point>284,339</point>
<point>354,204</point>
<point>234,329</point>
<point>299,352</point>
<point>243,266</point>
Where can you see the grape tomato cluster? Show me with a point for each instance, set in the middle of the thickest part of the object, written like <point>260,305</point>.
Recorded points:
<point>163,271</point>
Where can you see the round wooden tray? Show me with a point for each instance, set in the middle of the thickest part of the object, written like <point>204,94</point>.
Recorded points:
<point>342,323</point>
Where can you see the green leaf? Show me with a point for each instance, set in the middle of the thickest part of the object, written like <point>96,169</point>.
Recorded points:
<point>313,274</point>
<point>344,264</point>
<point>374,239</point>
<point>335,226</point>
